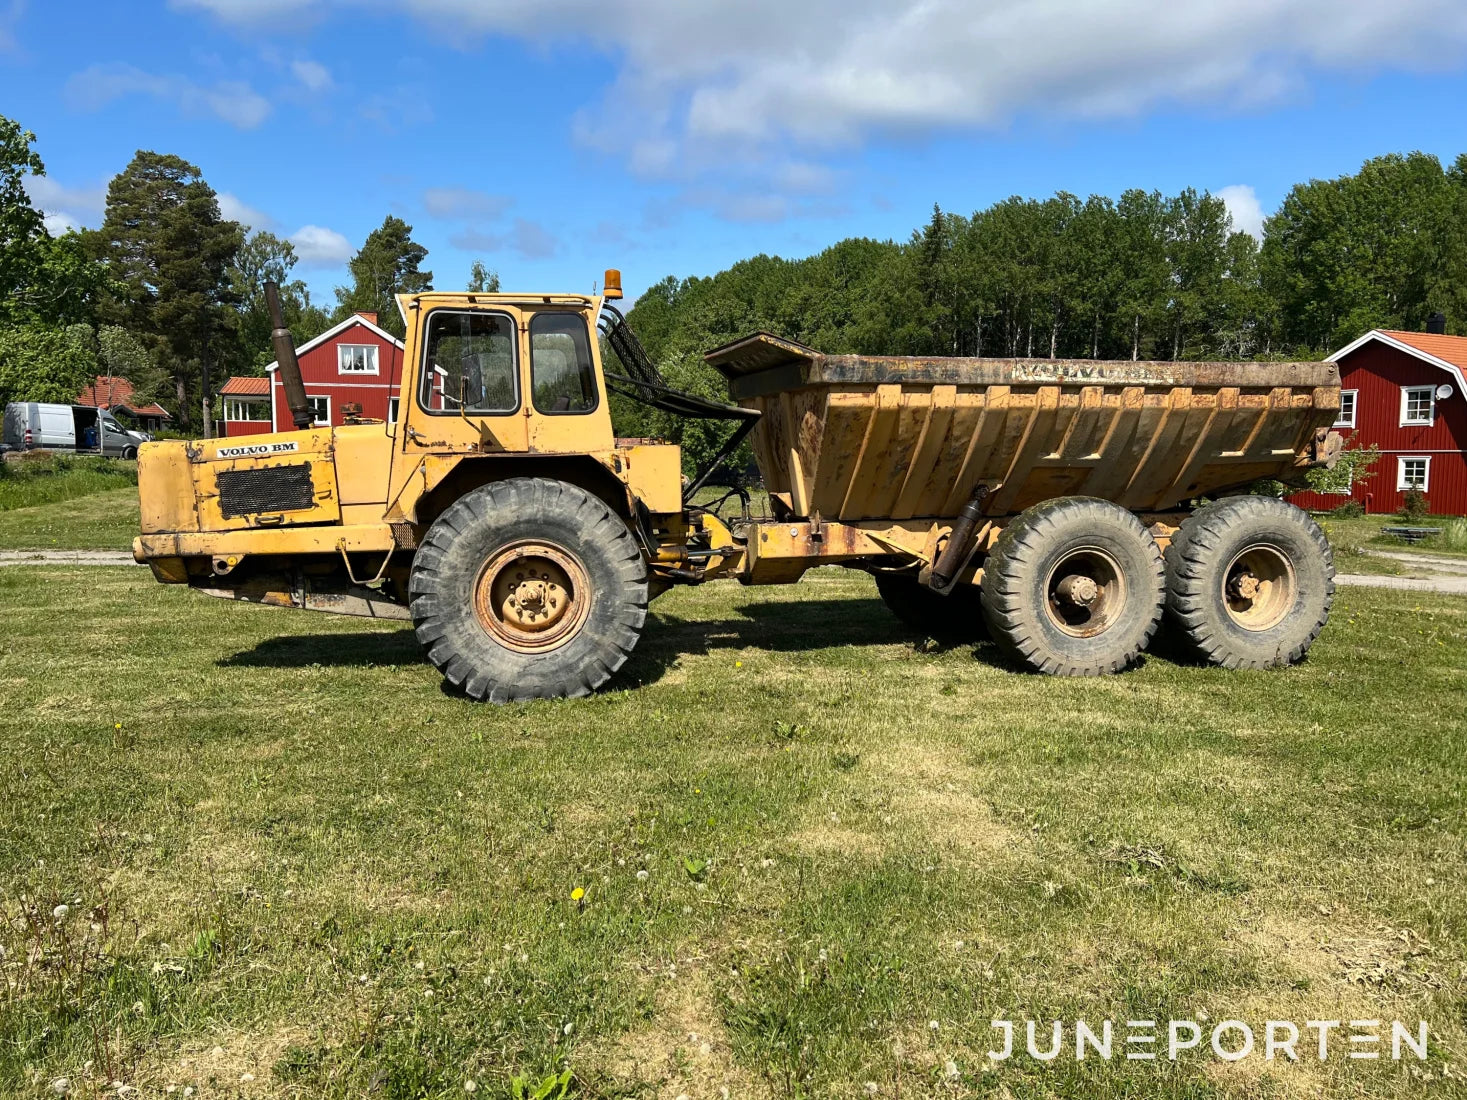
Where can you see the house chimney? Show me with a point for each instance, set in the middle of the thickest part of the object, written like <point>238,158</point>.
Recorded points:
<point>1437,323</point>
<point>368,315</point>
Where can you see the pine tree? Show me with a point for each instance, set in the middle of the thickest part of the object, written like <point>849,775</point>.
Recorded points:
<point>265,257</point>
<point>386,266</point>
<point>482,280</point>
<point>166,245</point>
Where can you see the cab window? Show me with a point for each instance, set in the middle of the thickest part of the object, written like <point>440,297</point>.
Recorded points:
<point>562,375</point>
<point>469,364</point>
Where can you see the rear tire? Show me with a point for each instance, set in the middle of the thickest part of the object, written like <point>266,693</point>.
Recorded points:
<point>957,617</point>
<point>1250,581</point>
<point>1073,587</point>
<point>129,453</point>
<point>528,589</point>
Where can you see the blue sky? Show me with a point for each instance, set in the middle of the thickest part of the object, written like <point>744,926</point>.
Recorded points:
<point>557,138</point>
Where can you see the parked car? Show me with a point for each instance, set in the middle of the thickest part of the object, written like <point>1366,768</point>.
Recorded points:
<point>36,425</point>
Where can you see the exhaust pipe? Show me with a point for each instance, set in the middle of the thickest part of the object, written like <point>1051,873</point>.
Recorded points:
<point>285,360</point>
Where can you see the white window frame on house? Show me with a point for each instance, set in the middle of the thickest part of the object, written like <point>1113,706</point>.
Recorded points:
<point>234,406</point>
<point>1352,399</point>
<point>1401,484</point>
<point>369,358</point>
<point>392,407</point>
<point>316,421</point>
<point>1407,392</point>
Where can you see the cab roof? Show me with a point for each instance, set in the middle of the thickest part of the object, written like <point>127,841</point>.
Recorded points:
<point>428,297</point>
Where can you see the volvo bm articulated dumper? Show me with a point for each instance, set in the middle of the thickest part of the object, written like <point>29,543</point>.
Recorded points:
<point>1048,503</point>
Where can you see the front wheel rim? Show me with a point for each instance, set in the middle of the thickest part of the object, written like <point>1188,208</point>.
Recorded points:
<point>532,596</point>
<point>1085,592</point>
<point>1259,586</point>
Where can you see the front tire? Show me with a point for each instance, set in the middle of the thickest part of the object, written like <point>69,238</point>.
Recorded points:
<point>1250,581</point>
<point>528,589</point>
<point>1073,587</point>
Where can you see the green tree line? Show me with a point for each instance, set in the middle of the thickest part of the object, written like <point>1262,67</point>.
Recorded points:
<point>1145,276</point>
<point>169,293</point>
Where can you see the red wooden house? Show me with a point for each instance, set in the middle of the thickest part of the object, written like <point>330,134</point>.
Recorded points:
<point>353,363</point>
<point>1406,393</point>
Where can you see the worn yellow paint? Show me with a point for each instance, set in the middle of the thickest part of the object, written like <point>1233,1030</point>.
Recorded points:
<point>366,477</point>
<point>289,541</point>
<point>653,472</point>
<point>363,459</point>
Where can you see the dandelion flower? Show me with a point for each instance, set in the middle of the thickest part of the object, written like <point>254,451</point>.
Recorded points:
<point>738,664</point>
<point>934,1025</point>
<point>569,1027</point>
<point>872,1088</point>
<point>246,1078</point>
<point>61,1086</point>
<point>642,875</point>
<point>578,894</point>
<point>471,1085</point>
<point>60,911</point>
<point>951,1068</point>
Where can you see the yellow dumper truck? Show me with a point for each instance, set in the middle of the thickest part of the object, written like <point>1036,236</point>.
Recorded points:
<point>1046,502</point>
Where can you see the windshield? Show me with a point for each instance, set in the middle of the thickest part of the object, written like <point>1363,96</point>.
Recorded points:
<point>469,364</point>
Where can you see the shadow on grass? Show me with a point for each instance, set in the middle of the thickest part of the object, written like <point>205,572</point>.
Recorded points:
<point>400,647</point>
<point>796,626</point>
<point>800,626</point>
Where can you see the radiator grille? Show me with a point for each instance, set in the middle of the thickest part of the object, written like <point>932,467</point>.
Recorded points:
<point>266,489</point>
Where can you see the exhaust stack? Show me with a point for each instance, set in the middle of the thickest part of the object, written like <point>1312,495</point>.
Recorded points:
<point>285,360</point>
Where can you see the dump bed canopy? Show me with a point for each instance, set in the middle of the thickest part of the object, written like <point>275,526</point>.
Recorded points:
<point>853,437</point>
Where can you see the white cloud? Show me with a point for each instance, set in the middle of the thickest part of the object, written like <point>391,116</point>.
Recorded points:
<point>315,76</point>
<point>527,239</point>
<point>10,15</point>
<point>66,207</point>
<point>731,91</point>
<point>828,71</point>
<point>1244,208</point>
<point>276,14</point>
<point>234,101</point>
<point>461,202</point>
<point>234,209</point>
<point>318,246</point>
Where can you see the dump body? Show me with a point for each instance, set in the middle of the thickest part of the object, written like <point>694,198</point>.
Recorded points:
<point>852,438</point>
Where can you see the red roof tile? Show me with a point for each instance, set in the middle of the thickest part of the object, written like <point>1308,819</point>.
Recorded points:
<point>240,386</point>
<point>116,393</point>
<point>1453,349</point>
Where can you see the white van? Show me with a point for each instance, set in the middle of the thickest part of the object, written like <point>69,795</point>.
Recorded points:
<point>35,425</point>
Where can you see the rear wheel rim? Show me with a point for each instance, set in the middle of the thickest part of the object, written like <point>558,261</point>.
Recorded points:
<point>532,597</point>
<point>1085,592</point>
<point>1259,586</point>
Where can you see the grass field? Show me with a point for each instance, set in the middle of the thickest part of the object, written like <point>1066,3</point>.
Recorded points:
<point>816,853</point>
<point>42,479</point>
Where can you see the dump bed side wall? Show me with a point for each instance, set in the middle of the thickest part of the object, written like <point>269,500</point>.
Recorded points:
<point>1147,436</point>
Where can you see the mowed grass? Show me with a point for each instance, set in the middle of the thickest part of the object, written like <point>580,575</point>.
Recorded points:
<point>70,502</point>
<point>42,478</point>
<point>815,851</point>
<point>106,520</point>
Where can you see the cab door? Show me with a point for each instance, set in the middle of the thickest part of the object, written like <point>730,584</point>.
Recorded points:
<point>468,392</point>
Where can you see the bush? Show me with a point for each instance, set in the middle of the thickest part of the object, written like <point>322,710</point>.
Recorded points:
<point>1351,509</point>
<point>1453,536</point>
<point>1414,506</point>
